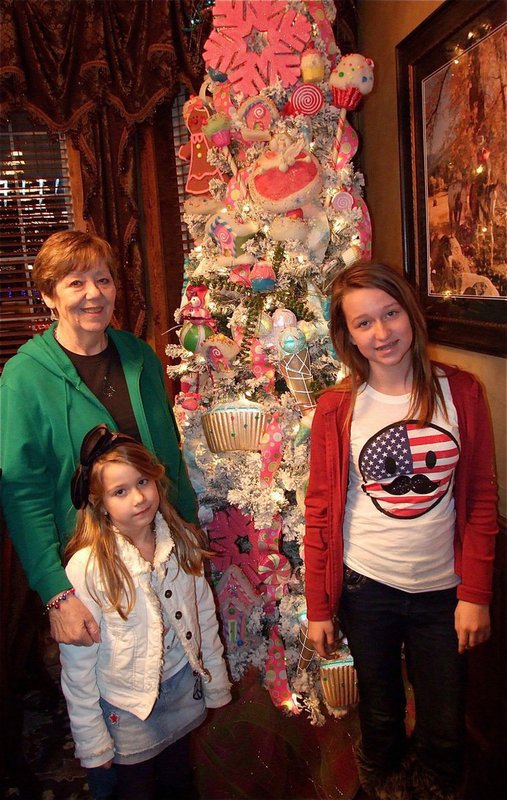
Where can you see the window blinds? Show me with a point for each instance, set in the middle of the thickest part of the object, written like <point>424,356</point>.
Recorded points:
<point>35,201</point>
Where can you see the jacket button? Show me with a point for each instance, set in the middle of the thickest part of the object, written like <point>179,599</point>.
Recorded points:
<point>168,593</point>
<point>188,634</point>
<point>178,615</point>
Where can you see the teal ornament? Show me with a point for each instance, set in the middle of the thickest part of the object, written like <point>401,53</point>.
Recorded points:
<point>292,340</point>
<point>326,308</point>
<point>302,435</point>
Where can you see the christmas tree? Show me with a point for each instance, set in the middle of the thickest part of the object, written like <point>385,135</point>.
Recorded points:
<point>275,208</point>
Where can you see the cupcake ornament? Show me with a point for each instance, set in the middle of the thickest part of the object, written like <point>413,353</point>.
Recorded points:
<point>350,81</point>
<point>218,130</point>
<point>262,277</point>
<point>312,66</point>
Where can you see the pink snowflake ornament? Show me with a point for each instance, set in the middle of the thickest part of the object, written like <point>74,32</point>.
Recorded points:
<point>255,44</point>
<point>233,540</point>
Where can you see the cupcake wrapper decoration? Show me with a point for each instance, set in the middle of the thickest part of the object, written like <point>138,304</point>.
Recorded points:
<point>262,277</point>
<point>234,427</point>
<point>218,131</point>
<point>339,681</point>
<point>348,99</point>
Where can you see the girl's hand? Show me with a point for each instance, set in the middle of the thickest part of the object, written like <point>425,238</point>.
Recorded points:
<point>107,765</point>
<point>73,623</point>
<point>472,624</point>
<point>322,635</point>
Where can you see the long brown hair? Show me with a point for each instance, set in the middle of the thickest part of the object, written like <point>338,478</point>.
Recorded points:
<point>426,391</point>
<point>95,530</point>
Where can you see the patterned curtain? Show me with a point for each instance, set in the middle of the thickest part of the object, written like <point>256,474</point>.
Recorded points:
<point>96,70</point>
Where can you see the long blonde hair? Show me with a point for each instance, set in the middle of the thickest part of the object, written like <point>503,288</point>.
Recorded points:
<point>426,391</point>
<point>95,530</point>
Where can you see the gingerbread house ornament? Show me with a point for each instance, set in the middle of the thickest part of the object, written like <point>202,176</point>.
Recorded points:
<point>236,601</point>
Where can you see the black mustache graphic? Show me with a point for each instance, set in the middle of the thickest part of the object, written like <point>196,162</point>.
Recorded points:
<point>420,484</point>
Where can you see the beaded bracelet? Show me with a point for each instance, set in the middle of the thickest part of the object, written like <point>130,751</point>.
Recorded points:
<point>61,597</point>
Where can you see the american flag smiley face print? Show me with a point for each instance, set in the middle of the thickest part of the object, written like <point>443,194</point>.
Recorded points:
<point>406,469</point>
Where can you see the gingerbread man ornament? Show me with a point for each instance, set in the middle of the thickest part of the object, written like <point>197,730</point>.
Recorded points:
<point>196,115</point>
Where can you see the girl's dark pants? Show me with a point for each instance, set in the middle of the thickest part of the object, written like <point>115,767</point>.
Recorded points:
<point>377,621</point>
<point>168,776</point>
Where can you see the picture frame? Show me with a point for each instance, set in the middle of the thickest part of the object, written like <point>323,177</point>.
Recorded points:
<point>451,72</point>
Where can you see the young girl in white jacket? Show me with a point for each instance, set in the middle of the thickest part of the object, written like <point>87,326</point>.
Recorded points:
<point>134,697</point>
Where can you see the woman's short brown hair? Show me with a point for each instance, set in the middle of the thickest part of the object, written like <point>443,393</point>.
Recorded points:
<point>66,251</point>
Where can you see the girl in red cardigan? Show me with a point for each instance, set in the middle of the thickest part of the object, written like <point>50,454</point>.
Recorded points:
<point>401,524</point>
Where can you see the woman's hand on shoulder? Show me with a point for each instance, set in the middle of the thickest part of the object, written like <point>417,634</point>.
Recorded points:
<point>472,624</point>
<point>73,623</point>
<point>321,633</point>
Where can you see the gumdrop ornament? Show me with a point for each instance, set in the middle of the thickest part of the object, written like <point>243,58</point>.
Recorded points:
<point>196,115</point>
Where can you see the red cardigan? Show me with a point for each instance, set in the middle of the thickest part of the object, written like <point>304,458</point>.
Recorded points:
<point>475,495</point>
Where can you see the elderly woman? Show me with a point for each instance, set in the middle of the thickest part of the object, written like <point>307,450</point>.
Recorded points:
<point>77,374</point>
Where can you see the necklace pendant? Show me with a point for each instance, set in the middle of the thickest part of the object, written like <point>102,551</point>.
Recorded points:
<point>107,389</point>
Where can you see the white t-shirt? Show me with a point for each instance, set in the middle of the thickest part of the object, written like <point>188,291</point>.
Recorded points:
<point>399,515</point>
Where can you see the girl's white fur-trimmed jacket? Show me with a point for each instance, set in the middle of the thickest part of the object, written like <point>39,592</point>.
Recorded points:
<point>125,667</point>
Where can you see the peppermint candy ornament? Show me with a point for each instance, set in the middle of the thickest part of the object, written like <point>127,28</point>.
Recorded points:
<point>343,201</point>
<point>274,569</point>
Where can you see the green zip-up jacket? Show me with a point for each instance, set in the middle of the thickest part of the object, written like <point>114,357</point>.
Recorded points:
<point>45,411</point>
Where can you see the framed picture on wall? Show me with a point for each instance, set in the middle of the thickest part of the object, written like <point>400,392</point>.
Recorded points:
<point>452,84</point>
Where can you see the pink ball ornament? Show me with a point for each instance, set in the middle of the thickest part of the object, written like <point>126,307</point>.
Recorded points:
<point>342,201</point>
<point>282,318</point>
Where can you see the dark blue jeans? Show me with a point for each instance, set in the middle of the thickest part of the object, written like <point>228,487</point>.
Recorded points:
<point>167,776</point>
<point>378,621</point>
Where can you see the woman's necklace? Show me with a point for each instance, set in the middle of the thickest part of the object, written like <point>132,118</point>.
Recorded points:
<point>99,379</point>
<point>107,390</point>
